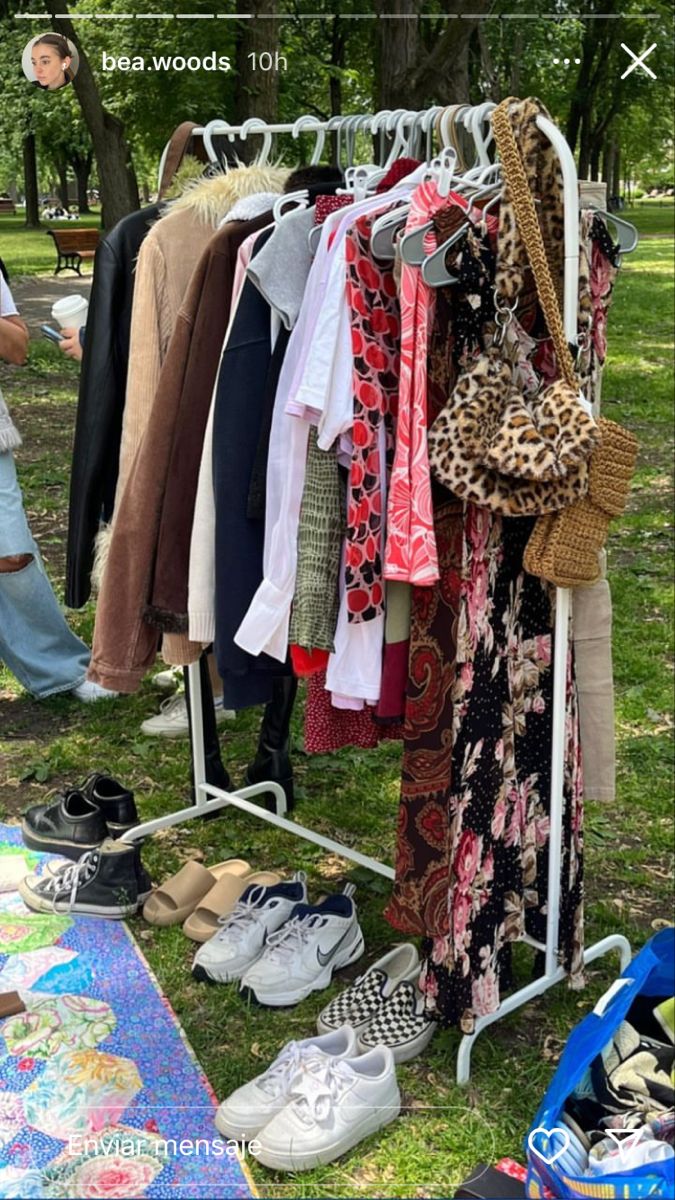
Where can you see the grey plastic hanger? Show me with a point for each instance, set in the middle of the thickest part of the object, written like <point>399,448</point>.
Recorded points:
<point>434,271</point>
<point>627,235</point>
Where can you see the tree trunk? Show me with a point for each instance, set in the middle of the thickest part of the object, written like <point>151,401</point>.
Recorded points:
<point>119,190</point>
<point>82,168</point>
<point>608,154</point>
<point>491,75</point>
<point>409,74</point>
<point>616,173</point>
<point>257,90</point>
<point>516,64</point>
<point>30,182</point>
<point>337,60</point>
<point>62,172</point>
<point>397,50</point>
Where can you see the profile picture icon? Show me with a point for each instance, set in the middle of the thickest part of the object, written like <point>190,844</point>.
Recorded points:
<point>50,61</point>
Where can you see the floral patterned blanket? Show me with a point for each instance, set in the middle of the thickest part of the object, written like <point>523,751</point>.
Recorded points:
<point>100,1093</point>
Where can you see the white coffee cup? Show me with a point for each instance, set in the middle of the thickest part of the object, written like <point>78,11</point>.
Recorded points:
<point>70,311</point>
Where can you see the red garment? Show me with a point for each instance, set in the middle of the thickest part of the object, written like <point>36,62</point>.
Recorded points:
<point>308,662</point>
<point>410,554</point>
<point>328,728</point>
<point>376,346</point>
<point>325,205</point>
<point>391,705</point>
<point>397,171</point>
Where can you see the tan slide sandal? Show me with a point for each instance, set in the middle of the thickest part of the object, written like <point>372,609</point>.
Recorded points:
<point>221,900</point>
<point>171,903</point>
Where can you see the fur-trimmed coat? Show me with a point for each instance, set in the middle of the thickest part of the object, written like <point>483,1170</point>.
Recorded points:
<point>124,646</point>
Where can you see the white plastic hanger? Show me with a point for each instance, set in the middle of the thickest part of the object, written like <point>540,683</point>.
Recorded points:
<point>256,125</point>
<point>210,129</point>
<point>289,202</point>
<point>307,124</point>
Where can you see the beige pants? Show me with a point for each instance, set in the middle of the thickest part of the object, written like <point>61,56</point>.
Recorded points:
<point>592,625</point>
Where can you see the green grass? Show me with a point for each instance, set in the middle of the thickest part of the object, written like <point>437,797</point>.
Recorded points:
<point>353,795</point>
<point>31,251</point>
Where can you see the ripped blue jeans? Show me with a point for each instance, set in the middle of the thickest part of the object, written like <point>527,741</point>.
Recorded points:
<point>36,643</point>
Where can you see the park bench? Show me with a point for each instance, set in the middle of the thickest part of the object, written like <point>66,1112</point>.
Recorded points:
<point>73,246</point>
<point>7,207</point>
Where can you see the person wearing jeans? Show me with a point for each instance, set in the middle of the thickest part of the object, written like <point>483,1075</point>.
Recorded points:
<point>36,644</point>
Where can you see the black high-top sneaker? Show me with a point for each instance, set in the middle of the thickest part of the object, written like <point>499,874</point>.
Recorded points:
<point>102,884</point>
<point>71,824</point>
<point>114,800</point>
<point>143,880</point>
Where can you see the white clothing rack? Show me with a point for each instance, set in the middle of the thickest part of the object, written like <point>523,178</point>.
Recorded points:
<point>209,799</point>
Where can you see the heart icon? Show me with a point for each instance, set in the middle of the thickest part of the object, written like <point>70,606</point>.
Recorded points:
<point>552,1138</point>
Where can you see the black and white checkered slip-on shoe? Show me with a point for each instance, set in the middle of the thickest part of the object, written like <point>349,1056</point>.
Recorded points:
<point>401,1024</point>
<point>358,1004</point>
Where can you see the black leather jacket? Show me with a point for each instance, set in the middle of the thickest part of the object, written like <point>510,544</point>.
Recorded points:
<point>100,407</point>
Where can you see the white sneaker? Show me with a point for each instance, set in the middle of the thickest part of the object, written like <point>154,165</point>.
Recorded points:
<point>240,939</point>
<point>172,718</point>
<point>89,692</point>
<point>301,956</point>
<point>249,1109</point>
<point>169,680</point>
<point>358,1004</point>
<point>331,1110</point>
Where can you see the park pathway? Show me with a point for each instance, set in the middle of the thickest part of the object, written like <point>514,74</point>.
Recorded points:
<point>35,294</point>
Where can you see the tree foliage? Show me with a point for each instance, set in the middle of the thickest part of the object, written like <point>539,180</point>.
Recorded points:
<point>425,51</point>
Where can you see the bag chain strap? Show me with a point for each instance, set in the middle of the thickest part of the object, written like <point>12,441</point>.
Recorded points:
<point>528,222</point>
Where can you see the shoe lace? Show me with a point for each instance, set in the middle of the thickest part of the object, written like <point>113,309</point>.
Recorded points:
<point>70,879</point>
<point>313,1094</point>
<point>295,1059</point>
<point>292,937</point>
<point>244,914</point>
<point>173,707</point>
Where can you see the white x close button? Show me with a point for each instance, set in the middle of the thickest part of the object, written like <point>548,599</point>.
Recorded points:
<point>639,60</point>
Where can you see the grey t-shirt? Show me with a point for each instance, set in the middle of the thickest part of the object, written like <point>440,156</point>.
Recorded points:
<point>281,268</point>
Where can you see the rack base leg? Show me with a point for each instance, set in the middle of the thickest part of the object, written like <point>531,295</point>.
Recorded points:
<point>536,988</point>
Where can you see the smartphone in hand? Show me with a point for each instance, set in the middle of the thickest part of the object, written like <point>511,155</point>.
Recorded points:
<point>53,334</point>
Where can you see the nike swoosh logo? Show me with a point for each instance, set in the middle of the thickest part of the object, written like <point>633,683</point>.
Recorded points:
<point>325,958</point>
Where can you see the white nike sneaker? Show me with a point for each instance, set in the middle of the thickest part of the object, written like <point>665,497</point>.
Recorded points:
<point>249,1109</point>
<point>301,956</point>
<point>331,1110</point>
<point>172,719</point>
<point>240,940</point>
<point>358,1004</point>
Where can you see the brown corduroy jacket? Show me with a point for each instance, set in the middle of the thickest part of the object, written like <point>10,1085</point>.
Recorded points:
<point>125,645</point>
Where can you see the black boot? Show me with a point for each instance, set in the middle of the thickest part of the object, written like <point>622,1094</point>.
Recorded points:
<point>273,760</point>
<point>215,771</point>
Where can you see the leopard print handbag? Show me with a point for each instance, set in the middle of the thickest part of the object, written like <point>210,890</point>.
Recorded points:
<point>516,454</point>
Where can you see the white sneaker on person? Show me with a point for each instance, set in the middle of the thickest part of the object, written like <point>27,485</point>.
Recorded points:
<point>359,1003</point>
<point>301,956</point>
<point>89,692</point>
<point>250,1107</point>
<point>172,718</point>
<point>240,939</point>
<point>169,680</point>
<point>332,1108</point>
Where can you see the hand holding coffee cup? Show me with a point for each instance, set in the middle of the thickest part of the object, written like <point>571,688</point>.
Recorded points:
<point>70,312</point>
